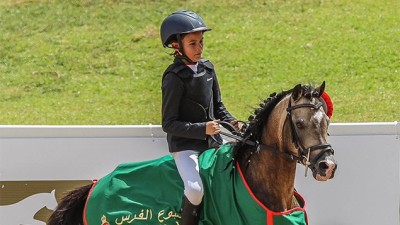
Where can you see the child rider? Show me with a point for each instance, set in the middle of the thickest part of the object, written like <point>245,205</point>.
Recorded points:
<point>191,104</point>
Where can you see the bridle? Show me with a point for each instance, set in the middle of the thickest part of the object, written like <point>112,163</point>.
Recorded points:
<point>303,153</point>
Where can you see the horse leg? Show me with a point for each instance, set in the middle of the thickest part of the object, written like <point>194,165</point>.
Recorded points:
<point>69,210</point>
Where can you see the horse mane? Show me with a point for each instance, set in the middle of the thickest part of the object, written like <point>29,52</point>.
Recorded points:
<point>258,120</point>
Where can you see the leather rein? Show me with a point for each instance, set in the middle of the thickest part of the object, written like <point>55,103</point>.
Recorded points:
<point>303,155</point>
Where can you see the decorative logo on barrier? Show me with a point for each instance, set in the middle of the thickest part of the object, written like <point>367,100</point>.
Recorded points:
<point>31,202</point>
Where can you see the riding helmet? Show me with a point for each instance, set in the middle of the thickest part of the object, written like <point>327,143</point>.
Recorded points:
<point>181,22</point>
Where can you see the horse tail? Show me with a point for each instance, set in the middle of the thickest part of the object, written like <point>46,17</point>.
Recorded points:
<point>69,211</point>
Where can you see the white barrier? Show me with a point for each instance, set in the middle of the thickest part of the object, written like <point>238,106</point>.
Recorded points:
<point>365,190</point>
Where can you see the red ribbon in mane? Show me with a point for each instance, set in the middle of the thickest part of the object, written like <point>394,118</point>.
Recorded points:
<point>329,104</point>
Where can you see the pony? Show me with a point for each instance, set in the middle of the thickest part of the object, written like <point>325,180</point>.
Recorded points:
<point>250,181</point>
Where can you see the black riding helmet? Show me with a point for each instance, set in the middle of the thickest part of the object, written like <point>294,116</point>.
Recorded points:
<point>180,22</point>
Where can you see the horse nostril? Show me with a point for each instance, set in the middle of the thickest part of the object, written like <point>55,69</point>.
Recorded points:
<point>323,166</point>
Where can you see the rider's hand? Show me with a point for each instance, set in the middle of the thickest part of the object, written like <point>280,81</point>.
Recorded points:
<point>212,127</point>
<point>238,125</point>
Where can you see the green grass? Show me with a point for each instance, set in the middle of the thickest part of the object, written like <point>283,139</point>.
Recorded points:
<point>101,62</point>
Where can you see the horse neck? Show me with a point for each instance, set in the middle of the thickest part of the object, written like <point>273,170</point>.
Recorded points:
<point>269,175</point>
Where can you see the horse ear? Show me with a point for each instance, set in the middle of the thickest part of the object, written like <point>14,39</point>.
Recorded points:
<point>321,89</point>
<point>297,92</point>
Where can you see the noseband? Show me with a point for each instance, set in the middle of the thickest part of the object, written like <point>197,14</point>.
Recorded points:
<point>303,156</point>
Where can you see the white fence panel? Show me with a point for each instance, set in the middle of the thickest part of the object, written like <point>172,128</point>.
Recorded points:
<point>36,159</point>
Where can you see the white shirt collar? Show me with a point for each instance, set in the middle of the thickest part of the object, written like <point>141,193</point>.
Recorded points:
<point>193,67</point>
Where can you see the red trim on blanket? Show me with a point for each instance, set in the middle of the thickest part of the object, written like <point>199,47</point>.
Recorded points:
<point>87,199</point>
<point>270,213</point>
<point>270,219</point>
<point>248,188</point>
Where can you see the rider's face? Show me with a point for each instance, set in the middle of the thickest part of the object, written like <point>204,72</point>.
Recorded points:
<point>193,45</point>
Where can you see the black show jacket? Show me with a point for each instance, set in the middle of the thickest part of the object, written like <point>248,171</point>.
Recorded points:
<point>189,100</point>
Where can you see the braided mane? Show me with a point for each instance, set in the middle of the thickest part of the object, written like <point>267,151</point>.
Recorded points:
<point>258,120</point>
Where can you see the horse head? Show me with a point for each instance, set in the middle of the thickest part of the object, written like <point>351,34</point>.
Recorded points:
<point>307,124</point>
<point>289,127</point>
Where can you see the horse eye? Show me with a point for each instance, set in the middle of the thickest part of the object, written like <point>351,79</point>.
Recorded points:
<point>300,124</point>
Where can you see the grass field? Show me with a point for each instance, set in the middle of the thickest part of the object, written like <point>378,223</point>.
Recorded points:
<point>101,61</point>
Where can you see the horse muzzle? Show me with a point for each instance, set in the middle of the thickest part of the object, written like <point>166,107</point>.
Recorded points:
<point>324,169</point>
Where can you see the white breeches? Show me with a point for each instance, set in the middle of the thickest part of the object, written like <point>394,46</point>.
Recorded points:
<point>188,168</point>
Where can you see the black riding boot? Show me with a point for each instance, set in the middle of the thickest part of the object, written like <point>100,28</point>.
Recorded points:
<point>190,212</point>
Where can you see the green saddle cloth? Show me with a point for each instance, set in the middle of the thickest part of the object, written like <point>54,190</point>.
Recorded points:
<point>150,193</point>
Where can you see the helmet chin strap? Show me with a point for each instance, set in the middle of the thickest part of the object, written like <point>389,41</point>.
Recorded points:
<point>185,60</point>
<point>182,56</point>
